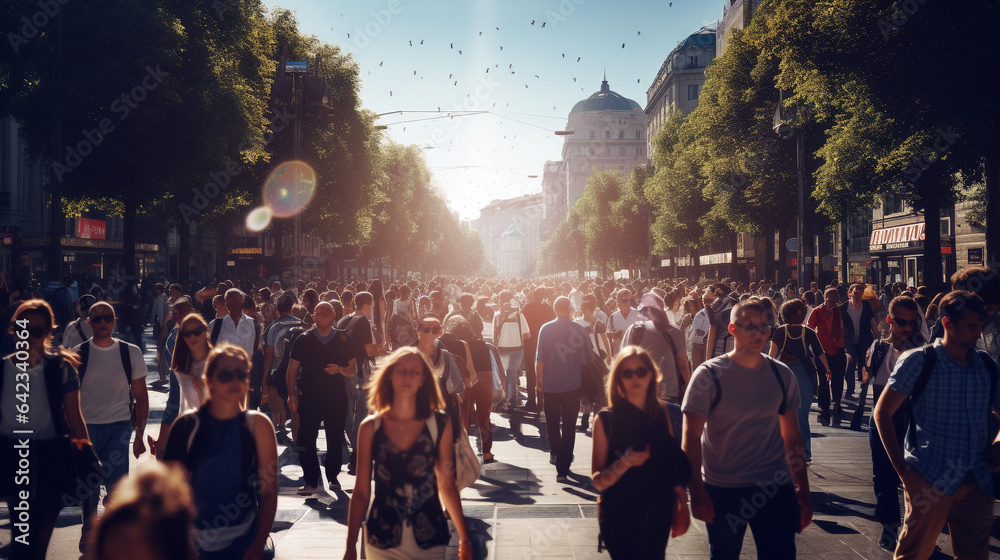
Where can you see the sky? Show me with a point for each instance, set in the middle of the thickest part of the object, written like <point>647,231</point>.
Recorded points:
<point>526,62</point>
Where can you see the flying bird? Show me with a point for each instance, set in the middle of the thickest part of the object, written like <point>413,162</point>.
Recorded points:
<point>564,55</point>
<point>421,41</point>
<point>480,33</point>
<point>638,33</point>
<point>459,52</point>
<point>348,35</point>
<point>532,22</point>
<point>574,79</point>
<point>501,48</point>
<point>637,80</point>
<point>380,63</point>
<point>411,43</point>
<point>543,23</point>
<point>414,72</point>
<point>578,58</point>
<point>452,45</point>
<point>623,45</point>
<point>390,93</point>
<point>449,76</point>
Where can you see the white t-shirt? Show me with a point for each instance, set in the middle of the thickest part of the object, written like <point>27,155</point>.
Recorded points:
<point>888,364</point>
<point>39,415</point>
<point>104,393</point>
<point>513,326</point>
<point>190,396</point>
<point>855,316</point>
<point>241,335</point>
<point>71,335</point>
<point>619,323</point>
<point>700,326</point>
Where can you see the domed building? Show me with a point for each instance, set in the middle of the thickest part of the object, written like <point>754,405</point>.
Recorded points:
<point>609,133</point>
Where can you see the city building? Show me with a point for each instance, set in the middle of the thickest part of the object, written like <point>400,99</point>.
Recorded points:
<point>678,84</point>
<point>736,14</point>
<point>509,231</point>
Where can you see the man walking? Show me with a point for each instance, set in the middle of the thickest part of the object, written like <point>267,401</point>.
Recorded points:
<point>326,356</point>
<point>561,345</point>
<point>665,345</point>
<point>880,361</point>
<point>742,430</point>
<point>510,331</point>
<point>359,327</point>
<point>951,391</point>
<point>536,313</point>
<point>111,370</point>
<point>622,319</point>
<point>827,321</point>
<point>860,331</point>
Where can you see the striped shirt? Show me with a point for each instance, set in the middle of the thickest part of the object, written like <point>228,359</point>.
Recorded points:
<point>951,417</point>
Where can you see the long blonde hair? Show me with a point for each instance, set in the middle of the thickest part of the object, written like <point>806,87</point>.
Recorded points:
<point>380,392</point>
<point>615,387</point>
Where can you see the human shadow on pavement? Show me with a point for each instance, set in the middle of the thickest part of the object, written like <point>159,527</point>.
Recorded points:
<point>508,484</point>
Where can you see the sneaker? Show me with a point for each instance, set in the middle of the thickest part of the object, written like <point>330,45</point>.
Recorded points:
<point>307,490</point>
<point>488,458</point>
<point>334,484</point>
<point>562,479</point>
<point>887,540</point>
<point>824,420</point>
<point>552,458</point>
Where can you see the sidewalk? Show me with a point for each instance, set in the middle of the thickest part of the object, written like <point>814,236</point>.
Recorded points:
<point>517,510</point>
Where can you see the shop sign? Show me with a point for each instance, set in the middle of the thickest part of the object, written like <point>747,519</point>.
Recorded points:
<point>665,263</point>
<point>90,229</point>
<point>717,258</point>
<point>684,261</point>
<point>976,255</point>
<point>899,237</point>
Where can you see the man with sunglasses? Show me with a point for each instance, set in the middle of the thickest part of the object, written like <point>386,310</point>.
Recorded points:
<point>951,394</point>
<point>880,361</point>
<point>622,319</point>
<point>319,395</point>
<point>105,401</point>
<point>741,434</point>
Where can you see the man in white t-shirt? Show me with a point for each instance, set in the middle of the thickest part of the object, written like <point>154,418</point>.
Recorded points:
<point>236,328</point>
<point>77,331</point>
<point>105,401</point>
<point>622,319</point>
<point>510,331</point>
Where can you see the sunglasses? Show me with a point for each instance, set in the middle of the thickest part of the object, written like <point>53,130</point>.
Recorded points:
<point>750,328</point>
<point>97,319</point>
<point>197,331</point>
<point>227,375</point>
<point>913,324</point>
<point>37,331</point>
<point>639,373</point>
<point>435,330</point>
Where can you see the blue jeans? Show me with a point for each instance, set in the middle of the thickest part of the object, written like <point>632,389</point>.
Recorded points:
<point>771,511</point>
<point>884,478</point>
<point>807,387</point>
<point>111,442</point>
<point>512,360</point>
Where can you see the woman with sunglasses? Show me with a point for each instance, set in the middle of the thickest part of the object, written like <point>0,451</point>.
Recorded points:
<point>407,444</point>
<point>443,365</point>
<point>51,412</point>
<point>232,459</point>
<point>638,466</point>
<point>189,359</point>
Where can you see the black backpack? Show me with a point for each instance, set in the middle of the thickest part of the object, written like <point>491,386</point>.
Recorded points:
<point>277,377</point>
<point>123,348</point>
<point>777,375</point>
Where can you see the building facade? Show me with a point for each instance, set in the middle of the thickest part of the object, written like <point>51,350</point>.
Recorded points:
<point>678,84</point>
<point>509,231</point>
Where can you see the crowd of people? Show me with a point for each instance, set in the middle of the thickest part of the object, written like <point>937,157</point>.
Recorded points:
<point>690,390</point>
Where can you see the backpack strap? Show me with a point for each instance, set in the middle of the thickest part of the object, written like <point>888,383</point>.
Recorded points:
<point>718,389</point>
<point>123,351</point>
<point>993,369</point>
<point>216,330</point>
<point>79,330</point>
<point>256,335</point>
<point>783,407</point>
<point>930,360</point>
<point>84,359</point>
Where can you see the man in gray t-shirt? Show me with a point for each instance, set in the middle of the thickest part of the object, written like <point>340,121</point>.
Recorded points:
<point>741,428</point>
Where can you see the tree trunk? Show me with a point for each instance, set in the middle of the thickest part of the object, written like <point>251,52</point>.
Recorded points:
<point>128,240</point>
<point>993,209</point>
<point>931,198</point>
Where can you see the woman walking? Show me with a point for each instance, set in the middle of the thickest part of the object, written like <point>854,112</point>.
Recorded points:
<point>407,444</point>
<point>638,465</point>
<point>232,458</point>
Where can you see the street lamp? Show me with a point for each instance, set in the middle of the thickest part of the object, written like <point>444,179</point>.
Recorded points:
<point>781,116</point>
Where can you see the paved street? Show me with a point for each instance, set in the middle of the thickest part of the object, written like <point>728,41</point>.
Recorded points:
<point>517,510</point>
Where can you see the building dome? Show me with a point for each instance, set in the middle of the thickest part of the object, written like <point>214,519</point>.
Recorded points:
<point>606,100</point>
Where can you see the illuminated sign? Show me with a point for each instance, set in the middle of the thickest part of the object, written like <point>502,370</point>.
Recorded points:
<point>90,229</point>
<point>899,237</point>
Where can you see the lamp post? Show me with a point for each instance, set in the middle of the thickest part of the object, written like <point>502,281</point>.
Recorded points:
<point>781,117</point>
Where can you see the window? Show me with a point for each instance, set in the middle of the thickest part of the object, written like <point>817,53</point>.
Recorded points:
<point>621,151</point>
<point>638,152</point>
<point>607,134</point>
<point>638,135</point>
<point>693,91</point>
<point>592,134</point>
<point>692,61</point>
<point>621,134</point>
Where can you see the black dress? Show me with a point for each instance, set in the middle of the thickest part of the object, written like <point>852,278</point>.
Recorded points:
<point>636,513</point>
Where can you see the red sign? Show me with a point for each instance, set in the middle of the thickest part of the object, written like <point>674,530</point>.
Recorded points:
<point>898,237</point>
<point>90,229</point>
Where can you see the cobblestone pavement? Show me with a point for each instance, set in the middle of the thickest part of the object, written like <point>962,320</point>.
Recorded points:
<point>517,510</point>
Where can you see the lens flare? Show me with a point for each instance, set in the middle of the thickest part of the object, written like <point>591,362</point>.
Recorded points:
<point>289,188</point>
<point>259,218</point>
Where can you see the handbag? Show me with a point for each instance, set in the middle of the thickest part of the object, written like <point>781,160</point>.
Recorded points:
<point>83,471</point>
<point>593,371</point>
<point>467,466</point>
